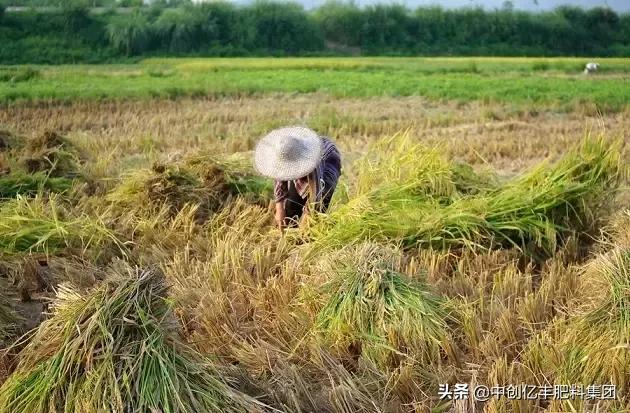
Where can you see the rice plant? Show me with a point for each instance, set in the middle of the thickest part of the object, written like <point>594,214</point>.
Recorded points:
<point>44,225</point>
<point>380,313</point>
<point>116,349</point>
<point>613,269</point>
<point>205,182</point>
<point>591,346</point>
<point>19,183</point>
<point>539,207</point>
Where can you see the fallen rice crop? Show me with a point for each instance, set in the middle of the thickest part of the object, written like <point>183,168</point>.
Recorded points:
<point>46,163</point>
<point>236,171</point>
<point>204,182</point>
<point>379,313</point>
<point>116,349</point>
<point>541,207</point>
<point>20,183</point>
<point>45,225</point>
<point>50,153</point>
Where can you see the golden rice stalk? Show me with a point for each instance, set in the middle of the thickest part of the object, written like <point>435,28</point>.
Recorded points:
<point>46,225</point>
<point>592,346</point>
<point>117,349</point>
<point>379,313</point>
<point>541,208</point>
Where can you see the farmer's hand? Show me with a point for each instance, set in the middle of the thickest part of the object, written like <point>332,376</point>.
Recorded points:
<point>280,214</point>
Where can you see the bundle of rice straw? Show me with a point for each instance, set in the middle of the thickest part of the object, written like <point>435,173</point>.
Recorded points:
<point>420,209</point>
<point>379,312</point>
<point>592,345</point>
<point>203,182</point>
<point>116,349</point>
<point>50,153</point>
<point>46,225</point>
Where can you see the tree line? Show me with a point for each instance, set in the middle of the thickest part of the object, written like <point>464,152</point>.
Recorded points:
<point>72,31</point>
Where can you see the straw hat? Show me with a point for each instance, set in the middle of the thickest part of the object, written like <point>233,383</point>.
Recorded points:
<point>288,153</point>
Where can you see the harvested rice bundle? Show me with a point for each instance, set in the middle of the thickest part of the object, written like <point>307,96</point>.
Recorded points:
<point>551,202</point>
<point>467,181</point>
<point>50,153</point>
<point>538,208</point>
<point>398,161</point>
<point>380,313</point>
<point>205,182</point>
<point>44,225</point>
<point>171,187</point>
<point>236,171</point>
<point>19,183</point>
<point>116,349</point>
<point>40,167</point>
<point>592,346</point>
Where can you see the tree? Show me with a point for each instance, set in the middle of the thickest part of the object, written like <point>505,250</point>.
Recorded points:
<point>178,30</point>
<point>224,25</point>
<point>340,22</point>
<point>283,27</point>
<point>129,34</point>
<point>385,27</point>
<point>602,25</point>
<point>75,14</point>
<point>507,5</point>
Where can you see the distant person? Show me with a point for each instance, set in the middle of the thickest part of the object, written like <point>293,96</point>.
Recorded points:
<point>591,68</point>
<point>305,167</point>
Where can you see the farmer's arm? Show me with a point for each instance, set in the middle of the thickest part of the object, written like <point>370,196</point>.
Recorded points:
<point>280,214</point>
<point>280,194</point>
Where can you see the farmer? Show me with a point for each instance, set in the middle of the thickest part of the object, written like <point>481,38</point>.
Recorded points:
<point>305,167</point>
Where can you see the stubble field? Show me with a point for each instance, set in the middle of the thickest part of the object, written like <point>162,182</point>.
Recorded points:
<point>479,235</point>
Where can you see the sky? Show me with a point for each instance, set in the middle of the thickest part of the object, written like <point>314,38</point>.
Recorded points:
<point>617,5</point>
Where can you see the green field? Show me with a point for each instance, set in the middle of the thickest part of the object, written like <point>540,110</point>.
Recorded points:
<point>551,83</point>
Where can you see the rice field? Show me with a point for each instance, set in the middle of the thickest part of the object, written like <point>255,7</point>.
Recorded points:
<point>477,240</point>
<point>557,84</point>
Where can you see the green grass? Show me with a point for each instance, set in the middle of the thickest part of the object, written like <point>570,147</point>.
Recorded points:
<point>556,83</point>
